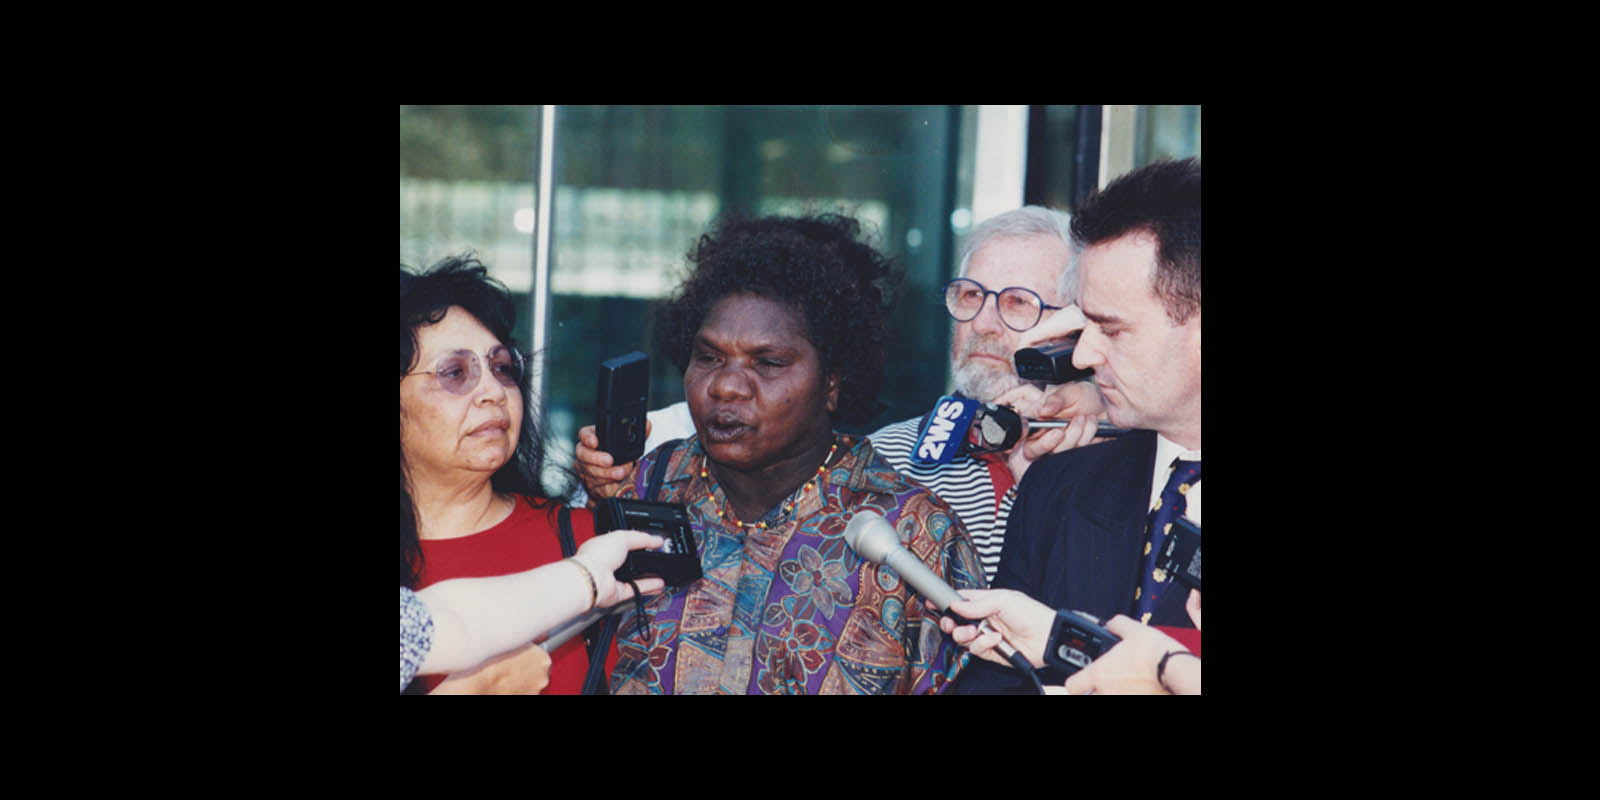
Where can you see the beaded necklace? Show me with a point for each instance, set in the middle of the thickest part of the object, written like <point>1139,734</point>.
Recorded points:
<point>788,505</point>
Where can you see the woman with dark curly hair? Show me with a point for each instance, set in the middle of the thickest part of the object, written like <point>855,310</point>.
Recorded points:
<point>780,329</point>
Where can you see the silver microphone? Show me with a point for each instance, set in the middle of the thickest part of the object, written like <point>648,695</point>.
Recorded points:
<point>874,539</point>
<point>575,626</point>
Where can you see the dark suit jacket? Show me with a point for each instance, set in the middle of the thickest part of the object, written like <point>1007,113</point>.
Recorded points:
<point>1075,540</point>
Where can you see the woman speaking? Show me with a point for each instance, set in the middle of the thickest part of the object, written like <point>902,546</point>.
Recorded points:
<point>780,329</point>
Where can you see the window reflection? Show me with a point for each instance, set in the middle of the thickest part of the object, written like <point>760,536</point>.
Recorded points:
<point>1166,132</point>
<point>633,186</point>
<point>1063,155</point>
<point>467,183</point>
<point>1065,147</point>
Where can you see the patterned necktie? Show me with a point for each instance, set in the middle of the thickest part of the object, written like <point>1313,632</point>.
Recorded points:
<point>1153,581</point>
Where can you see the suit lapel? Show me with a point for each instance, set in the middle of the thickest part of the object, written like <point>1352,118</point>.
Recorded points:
<point>1120,497</point>
<point>1121,491</point>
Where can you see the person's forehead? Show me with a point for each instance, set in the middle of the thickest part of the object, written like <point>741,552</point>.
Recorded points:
<point>458,330</point>
<point>752,320</point>
<point>1117,270</point>
<point>1033,262</point>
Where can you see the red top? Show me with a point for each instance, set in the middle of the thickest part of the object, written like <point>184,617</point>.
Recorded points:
<point>999,475</point>
<point>526,539</point>
<point>1188,637</point>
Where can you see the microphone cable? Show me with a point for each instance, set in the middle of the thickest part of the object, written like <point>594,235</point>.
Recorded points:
<point>1018,660</point>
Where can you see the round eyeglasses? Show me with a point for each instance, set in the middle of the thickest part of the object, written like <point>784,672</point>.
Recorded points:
<point>1020,308</point>
<point>458,372</point>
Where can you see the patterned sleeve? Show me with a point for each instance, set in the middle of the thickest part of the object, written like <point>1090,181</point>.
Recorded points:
<point>949,551</point>
<point>416,635</point>
<point>633,484</point>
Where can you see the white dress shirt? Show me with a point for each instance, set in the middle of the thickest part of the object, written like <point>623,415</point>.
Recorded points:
<point>1166,450</point>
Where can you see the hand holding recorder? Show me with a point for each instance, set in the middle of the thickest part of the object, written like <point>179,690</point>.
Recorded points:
<point>617,438</point>
<point>1044,352</point>
<point>1145,661</point>
<point>477,618</point>
<point>1070,400</point>
<point>601,476</point>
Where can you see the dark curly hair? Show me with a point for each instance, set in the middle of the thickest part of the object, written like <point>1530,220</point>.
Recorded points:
<point>1161,198</point>
<point>424,298</point>
<point>814,264</point>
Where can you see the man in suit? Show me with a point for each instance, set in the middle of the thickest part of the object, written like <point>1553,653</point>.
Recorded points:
<point>1080,536</point>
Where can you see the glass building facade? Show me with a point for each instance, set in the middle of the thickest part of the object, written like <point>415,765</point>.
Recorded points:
<point>631,187</point>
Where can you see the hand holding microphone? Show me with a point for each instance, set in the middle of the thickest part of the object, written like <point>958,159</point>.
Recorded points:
<point>961,426</point>
<point>1069,403</point>
<point>874,539</point>
<point>1008,617</point>
<point>1057,420</point>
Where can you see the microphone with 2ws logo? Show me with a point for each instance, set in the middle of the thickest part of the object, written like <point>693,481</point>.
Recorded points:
<point>874,539</point>
<point>961,426</point>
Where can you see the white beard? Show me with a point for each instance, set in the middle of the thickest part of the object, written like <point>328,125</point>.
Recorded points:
<point>982,380</point>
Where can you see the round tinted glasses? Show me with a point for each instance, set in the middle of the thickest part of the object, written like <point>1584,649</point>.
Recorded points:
<point>458,371</point>
<point>1020,309</point>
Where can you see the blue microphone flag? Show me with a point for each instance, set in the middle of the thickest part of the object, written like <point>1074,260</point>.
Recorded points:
<point>945,430</point>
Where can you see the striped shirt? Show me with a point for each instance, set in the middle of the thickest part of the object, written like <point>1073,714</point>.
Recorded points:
<point>965,484</point>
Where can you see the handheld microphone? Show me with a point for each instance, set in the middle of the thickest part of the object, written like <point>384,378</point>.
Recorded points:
<point>960,426</point>
<point>575,626</point>
<point>1103,430</point>
<point>997,428</point>
<point>874,539</point>
<point>945,431</point>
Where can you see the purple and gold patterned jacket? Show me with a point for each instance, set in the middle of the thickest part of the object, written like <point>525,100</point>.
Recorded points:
<point>792,609</point>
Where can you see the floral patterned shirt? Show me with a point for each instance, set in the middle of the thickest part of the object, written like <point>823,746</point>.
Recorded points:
<point>792,609</point>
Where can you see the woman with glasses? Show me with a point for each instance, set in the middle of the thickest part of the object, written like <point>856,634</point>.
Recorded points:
<point>780,330</point>
<point>471,502</point>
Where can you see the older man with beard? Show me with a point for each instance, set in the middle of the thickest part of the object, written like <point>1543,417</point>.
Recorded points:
<point>1015,271</point>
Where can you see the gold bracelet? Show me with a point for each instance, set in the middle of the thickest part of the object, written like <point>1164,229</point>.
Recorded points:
<point>594,592</point>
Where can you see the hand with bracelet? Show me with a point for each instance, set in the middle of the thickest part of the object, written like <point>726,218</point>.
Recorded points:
<point>602,555</point>
<point>482,627</point>
<point>1146,661</point>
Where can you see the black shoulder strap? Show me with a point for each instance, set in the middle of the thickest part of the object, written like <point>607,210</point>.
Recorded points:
<point>564,531</point>
<point>569,545</point>
<point>658,470</point>
<point>594,682</point>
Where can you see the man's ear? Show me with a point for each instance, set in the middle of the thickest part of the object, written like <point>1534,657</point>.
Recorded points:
<point>833,392</point>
